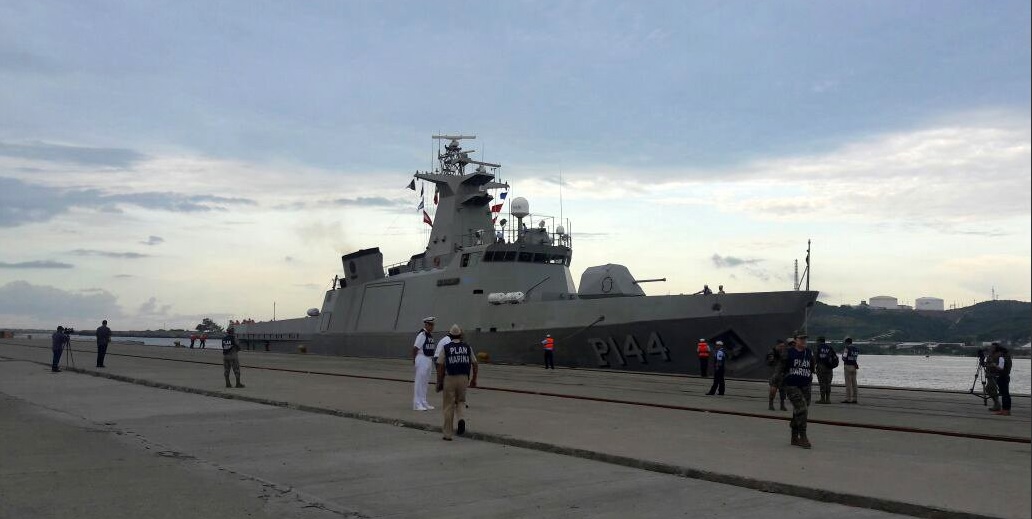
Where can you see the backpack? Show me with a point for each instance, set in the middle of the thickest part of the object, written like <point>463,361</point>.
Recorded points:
<point>833,363</point>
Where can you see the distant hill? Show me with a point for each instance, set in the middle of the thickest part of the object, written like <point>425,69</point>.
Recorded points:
<point>1009,321</point>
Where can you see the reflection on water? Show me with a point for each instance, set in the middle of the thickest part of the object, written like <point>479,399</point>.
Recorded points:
<point>955,373</point>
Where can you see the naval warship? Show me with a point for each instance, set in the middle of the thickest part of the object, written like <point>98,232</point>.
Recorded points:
<point>509,286</point>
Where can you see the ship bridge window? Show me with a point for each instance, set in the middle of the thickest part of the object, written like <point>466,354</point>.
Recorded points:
<point>526,257</point>
<point>465,260</point>
<point>510,255</point>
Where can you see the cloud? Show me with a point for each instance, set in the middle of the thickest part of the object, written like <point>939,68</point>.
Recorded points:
<point>123,276</point>
<point>38,264</point>
<point>153,240</point>
<point>374,201</point>
<point>23,203</point>
<point>731,261</point>
<point>289,259</point>
<point>26,302</point>
<point>151,308</point>
<point>84,156</point>
<point>108,254</point>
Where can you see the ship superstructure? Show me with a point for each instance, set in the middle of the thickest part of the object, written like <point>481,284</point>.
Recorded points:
<point>509,285</point>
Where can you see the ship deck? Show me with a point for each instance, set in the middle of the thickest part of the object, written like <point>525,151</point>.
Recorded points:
<point>337,436</point>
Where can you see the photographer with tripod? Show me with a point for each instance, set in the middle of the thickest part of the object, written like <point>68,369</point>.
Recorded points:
<point>989,390</point>
<point>998,367</point>
<point>58,341</point>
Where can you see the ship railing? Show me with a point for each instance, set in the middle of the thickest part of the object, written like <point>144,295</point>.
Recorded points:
<point>547,231</point>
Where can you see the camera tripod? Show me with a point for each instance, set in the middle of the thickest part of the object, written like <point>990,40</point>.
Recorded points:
<point>70,357</point>
<point>982,379</point>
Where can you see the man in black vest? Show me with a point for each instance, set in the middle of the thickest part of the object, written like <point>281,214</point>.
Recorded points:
<point>456,370</point>
<point>103,339</point>
<point>798,372</point>
<point>826,356</point>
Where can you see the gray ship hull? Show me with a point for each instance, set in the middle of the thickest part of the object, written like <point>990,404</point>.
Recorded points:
<point>655,334</point>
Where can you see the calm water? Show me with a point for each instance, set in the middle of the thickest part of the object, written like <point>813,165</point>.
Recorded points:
<point>956,373</point>
<point>953,373</point>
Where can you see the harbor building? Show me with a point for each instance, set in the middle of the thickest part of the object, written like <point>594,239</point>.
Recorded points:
<point>884,302</point>
<point>933,304</point>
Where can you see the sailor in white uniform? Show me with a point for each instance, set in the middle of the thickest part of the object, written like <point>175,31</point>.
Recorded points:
<point>423,358</point>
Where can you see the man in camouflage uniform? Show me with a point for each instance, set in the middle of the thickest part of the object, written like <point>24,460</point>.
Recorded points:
<point>798,373</point>
<point>775,359</point>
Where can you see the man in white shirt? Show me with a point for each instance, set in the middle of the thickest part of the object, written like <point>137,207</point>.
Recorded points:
<point>423,360</point>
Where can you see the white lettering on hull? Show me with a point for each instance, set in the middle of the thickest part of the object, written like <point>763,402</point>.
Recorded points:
<point>609,353</point>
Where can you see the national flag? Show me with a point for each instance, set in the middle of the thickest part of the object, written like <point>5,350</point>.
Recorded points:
<point>427,220</point>
<point>412,184</point>
<point>421,205</point>
<point>502,196</point>
<point>421,186</point>
<point>435,195</point>
<point>496,208</point>
<point>493,220</point>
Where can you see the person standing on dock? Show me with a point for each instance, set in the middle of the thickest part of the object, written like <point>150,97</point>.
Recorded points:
<point>204,339</point>
<point>57,343</point>
<point>827,359</point>
<point>423,359</point>
<point>103,339</point>
<point>549,345</point>
<point>718,370</point>
<point>703,351</point>
<point>193,339</point>
<point>456,370</point>
<point>230,357</point>
<point>991,390</point>
<point>850,366</point>
<point>1002,370</point>
<point>798,373</point>
<point>775,358</point>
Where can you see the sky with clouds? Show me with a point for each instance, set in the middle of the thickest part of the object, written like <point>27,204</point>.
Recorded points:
<point>161,162</point>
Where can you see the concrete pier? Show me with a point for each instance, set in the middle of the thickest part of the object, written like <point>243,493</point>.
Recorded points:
<point>329,437</point>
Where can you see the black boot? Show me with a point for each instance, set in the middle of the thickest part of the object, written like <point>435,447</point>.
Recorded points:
<point>770,404</point>
<point>803,441</point>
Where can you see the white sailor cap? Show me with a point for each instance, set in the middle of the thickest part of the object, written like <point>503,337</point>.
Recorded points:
<point>720,343</point>
<point>430,319</point>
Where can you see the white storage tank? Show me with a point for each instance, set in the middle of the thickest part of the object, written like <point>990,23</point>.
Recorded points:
<point>884,302</point>
<point>930,303</point>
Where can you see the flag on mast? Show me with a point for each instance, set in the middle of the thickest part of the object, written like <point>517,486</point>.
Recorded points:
<point>412,184</point>
<point>435,195</point>
<point>427,220</point>
<point>421,205</point>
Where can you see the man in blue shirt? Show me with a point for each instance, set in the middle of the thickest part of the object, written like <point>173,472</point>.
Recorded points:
<point>719,359</point>
<point>103,339</point>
